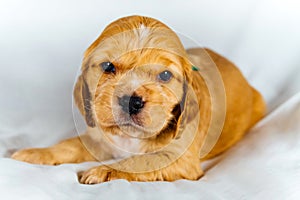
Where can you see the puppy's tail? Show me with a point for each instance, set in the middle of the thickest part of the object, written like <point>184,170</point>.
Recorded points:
<point>259,108</point>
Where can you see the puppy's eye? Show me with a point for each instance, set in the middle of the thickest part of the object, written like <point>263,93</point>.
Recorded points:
<point>108,67</point>
<point>165,76</point>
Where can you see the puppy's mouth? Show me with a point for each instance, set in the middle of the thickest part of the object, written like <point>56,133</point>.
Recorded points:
<point>132,124</point>
<point>132,121</point>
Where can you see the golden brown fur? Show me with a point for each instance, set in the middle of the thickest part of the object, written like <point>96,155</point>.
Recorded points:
<point>162,142</point>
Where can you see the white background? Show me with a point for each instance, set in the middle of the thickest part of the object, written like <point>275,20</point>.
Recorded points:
<point>41,48</point>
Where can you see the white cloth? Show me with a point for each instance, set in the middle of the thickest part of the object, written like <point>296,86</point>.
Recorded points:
<point>41,47</point>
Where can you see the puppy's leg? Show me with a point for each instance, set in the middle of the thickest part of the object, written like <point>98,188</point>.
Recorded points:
<point>67,151</point>
<point>150,167</point>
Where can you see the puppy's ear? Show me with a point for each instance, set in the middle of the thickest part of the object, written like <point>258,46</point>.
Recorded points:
<point>189,108</point>
<point>83,100</point>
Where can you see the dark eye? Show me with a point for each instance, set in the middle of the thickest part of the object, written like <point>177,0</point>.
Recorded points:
<point>108,67</point>
<point>165,75</point>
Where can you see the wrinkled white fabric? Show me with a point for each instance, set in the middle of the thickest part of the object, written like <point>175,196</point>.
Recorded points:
<point>41,47</point>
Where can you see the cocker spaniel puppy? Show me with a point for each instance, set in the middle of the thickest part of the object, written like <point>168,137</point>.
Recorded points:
<point>152,107</point>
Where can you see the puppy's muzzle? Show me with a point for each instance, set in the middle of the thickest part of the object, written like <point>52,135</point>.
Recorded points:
<point>131,104</point>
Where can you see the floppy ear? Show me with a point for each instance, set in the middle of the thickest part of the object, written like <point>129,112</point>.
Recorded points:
<point>189,109</point>
<point>83,97</point>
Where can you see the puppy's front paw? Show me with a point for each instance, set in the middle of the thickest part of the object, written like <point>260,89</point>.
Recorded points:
<point>36,156</point>
<point>98,175</point>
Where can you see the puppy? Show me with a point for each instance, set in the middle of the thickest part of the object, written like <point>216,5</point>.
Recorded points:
<point>153,107</point>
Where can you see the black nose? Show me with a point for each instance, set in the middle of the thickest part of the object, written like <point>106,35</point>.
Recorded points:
<point>131,104</point>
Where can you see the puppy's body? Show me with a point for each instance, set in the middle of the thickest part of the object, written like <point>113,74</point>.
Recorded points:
<point>155,141</point>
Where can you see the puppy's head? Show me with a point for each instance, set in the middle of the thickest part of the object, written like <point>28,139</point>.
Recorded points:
<point>134,79</point>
